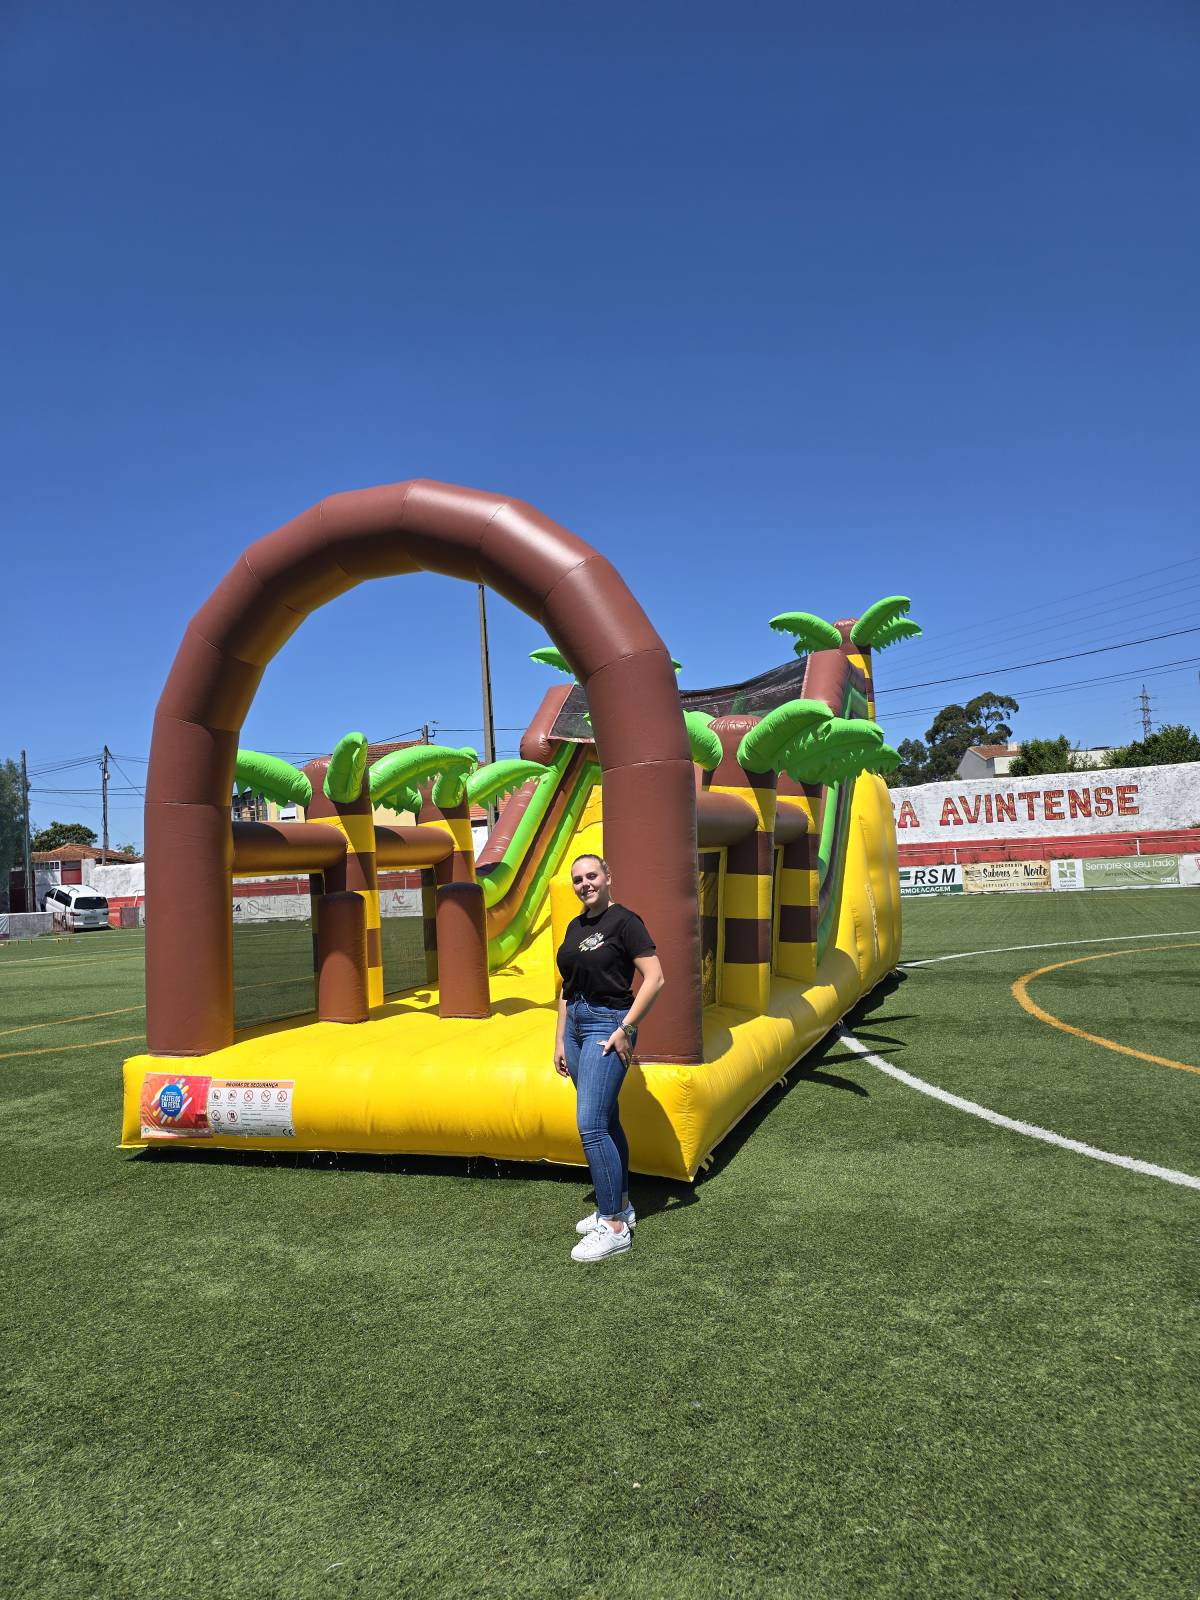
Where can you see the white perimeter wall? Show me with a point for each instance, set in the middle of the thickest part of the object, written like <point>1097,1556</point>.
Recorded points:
<point>1123,800</point>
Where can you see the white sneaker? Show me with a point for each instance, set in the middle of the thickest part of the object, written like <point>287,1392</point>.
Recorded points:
<point>592,1221</point>
<point>605,1241</point>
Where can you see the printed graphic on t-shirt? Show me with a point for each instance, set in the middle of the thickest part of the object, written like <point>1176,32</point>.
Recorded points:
<point>597,956</point>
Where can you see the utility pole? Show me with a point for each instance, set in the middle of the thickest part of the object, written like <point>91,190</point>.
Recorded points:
<point>30,900</point>
<point>424,733</point>
<point>489,731</point>
<point>104,807</point>
<point>1144,703</point>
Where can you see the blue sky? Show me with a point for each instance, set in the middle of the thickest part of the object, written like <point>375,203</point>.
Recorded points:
<point>779,306</point>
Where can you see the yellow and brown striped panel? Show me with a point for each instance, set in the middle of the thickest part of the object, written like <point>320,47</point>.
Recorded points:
<point>362,878</point>
<point>796,892</point>
<point>746,914</point>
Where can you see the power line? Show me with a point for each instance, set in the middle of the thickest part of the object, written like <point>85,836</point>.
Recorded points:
<point>1157,613</point>
<point>1099,588</point>
<point>113,788</point>
<point>48,768</point>
<point>1163,669</point>
<point>1044,661</point>
<point>126,776</point>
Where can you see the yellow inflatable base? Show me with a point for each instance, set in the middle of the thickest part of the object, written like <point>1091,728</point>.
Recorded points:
<point>407,1081</point>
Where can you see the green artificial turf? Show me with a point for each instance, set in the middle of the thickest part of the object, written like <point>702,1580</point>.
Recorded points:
<point>883,1348</point>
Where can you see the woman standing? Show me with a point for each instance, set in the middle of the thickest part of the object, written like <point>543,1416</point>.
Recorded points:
<point>597,1031</point>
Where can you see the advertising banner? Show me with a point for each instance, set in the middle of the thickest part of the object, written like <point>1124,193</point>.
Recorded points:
<point>1117,872</point>
<point>980,877</point>
<point>931,880</point>
<point>1124,800</point>
<point>271,907</point>
<point>1066,874</point>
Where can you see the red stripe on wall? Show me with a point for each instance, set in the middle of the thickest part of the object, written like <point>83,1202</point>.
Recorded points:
<point>1184,841</point>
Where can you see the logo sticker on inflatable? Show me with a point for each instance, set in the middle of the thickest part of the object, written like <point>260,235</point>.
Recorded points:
<point>197,1107</point>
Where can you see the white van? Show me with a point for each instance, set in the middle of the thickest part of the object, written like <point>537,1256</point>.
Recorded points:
<point>75,907</point>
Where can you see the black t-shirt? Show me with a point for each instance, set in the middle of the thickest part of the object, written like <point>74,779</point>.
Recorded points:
<point>596,957</point>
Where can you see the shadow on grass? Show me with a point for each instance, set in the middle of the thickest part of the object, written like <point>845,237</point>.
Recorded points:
<point>812,1070</point>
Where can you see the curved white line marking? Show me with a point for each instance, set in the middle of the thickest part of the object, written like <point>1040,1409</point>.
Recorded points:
<point>1029,1129</point>
<point>1059,944</point>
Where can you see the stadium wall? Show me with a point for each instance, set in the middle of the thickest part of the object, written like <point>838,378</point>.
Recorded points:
<point>1127,811</point>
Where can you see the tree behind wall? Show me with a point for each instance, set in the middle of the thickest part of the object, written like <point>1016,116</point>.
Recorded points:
<point>1163,748</point>
<point>1044,755</point>
<point>12,817</point>
<point>950,735</point>
<point>60,833</point>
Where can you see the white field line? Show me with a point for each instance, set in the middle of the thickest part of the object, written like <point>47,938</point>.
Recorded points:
<point>1059,944</point>
<point>1029,1129</point>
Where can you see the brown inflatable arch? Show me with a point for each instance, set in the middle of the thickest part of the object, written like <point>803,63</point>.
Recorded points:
<point>585,607</point>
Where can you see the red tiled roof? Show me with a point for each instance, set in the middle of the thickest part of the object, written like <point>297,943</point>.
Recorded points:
<point>990,751</point>
<point>81,852</point>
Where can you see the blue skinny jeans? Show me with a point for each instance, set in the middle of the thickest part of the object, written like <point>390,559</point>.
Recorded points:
<point>597,1078</point>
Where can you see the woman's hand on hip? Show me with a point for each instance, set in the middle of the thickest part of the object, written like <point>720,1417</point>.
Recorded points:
<point>619,1041</point>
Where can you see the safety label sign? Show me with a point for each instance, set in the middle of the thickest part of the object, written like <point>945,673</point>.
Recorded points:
<point>190,1106</point>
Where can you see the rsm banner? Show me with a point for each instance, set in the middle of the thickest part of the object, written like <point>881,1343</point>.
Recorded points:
<point>1125,800</point>
<point>931,880</point>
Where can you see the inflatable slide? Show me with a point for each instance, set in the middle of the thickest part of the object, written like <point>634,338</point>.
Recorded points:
<point>748,825</point>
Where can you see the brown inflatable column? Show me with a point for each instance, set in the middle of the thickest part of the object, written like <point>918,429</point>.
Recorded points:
<point>462,964</point>
<point>462,951</point>
<point>859,673</point>
<point>316,890</point>
<point>342,957</point>
<point>649,806</point>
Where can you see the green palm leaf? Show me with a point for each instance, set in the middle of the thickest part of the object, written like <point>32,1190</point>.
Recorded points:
<point>406,798</point>
<point>761,746</point>
<point>404,769</point>
<point>840,748</point>
<point>705,745</point>
<point>548,656</point>
<point>811,632</point>
<point>884,623</point>
<point>892,632</point>
<point>500,778</point>
<point>885,759</point>
<point>281,782</point>
<point>346,770</point>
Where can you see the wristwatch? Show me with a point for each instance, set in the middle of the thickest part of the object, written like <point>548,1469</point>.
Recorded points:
<point>629,1029</point>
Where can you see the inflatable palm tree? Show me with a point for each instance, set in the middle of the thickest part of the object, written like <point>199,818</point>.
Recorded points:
<point>803,737</point>
<point>392,781</point>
